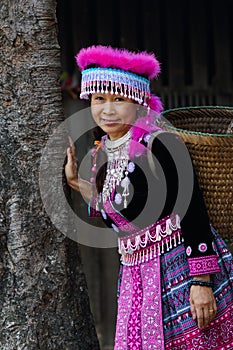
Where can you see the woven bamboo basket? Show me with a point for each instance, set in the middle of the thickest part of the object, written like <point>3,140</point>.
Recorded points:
<point>208,134</point>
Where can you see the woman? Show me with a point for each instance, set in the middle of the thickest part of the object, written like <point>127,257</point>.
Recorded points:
<point>176,275</point>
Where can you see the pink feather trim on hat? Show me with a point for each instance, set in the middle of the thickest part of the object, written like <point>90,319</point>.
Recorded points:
<point>142,127</point>
<point>141,63</point>
<point>155,103</point>
<point>145,125</point>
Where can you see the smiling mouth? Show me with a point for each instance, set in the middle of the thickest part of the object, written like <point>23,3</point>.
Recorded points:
<point>110,121</point>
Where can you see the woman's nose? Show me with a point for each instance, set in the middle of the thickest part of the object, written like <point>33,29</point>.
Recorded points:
<point>108,108</point>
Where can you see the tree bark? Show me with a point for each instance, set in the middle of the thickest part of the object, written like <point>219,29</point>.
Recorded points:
<point>43,294</point>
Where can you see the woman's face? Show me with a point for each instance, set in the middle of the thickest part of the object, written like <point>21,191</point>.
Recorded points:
<point>114,114</point>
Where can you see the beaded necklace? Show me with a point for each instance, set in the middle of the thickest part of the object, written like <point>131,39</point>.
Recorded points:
<point>117,172</point>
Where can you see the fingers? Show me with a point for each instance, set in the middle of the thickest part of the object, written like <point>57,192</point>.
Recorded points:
<point>69,157</point>
<point>71,153</point>
<point>70,141</point>
<point>202,305</point>
<point>212,314</point>
<point>71,146</point>
<point>71,160</point>
<point>204,316</point>
<point>193,310</point>
<point>200,317</point>
<point>213,310</point>
<point>71,167</point>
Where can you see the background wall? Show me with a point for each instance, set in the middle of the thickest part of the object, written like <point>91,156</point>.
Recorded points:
<point>192,40</point>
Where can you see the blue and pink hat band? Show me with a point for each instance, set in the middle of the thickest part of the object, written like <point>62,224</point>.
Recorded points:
<point>115,81</point>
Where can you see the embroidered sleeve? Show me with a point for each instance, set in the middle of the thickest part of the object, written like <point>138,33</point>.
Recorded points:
<point>198,235</point>
<point>195,225</point>
<point>203,265</point>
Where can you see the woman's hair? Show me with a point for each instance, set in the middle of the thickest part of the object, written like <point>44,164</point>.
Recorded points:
<point>101,170</point>
<point>98,133</point>
<point>101,160</point>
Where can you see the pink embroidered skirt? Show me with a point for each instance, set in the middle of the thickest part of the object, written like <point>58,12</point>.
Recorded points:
<point>153,304</point>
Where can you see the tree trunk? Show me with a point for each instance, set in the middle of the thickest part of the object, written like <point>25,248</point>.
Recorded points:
<point>43,293</point>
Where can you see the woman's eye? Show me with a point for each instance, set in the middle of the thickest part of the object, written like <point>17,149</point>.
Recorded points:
<point>98,98</point>
<point>119,99</point>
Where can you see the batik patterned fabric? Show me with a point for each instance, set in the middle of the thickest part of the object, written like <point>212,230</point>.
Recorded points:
<point>151,316</point>
<point>139,323</point>
<point>180,331</point>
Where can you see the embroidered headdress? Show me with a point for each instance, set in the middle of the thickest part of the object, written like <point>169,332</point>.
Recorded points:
<point>119,71</point>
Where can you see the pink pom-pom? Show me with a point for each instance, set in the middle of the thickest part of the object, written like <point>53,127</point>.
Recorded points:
<point>155,103</point>
<point>141,63</point>
<point>144,125</point>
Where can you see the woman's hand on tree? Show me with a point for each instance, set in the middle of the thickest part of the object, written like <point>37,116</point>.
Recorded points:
<point>71,172</point>
<point>71,167</point>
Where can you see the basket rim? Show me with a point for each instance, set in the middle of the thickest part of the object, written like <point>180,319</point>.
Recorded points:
<point>196,107</point>
<point>203,139</point>
<point>199,133</point>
